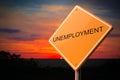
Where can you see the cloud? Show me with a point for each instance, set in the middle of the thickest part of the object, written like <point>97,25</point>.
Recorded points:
<point>55,8</point>
<point>39,24</point>
<point>106,8</point>
<point>6,30</point>
<point>109,48</point>
<point>24,38</point>
<point>114,35</point>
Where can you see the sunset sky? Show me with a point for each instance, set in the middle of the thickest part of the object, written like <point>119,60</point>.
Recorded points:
<point>26,25</point>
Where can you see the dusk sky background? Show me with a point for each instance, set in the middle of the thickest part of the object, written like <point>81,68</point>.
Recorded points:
<point>27,25</point>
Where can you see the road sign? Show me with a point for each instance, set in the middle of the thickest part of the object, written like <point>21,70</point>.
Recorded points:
<point>78,36</point>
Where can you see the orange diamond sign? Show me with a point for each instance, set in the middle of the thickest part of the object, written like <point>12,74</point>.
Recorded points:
<point>78,35</point>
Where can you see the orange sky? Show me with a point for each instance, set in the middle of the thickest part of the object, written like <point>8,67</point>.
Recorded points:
<point>25,29</point>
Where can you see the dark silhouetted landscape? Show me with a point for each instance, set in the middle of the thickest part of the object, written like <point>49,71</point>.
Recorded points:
<point>13,67</point>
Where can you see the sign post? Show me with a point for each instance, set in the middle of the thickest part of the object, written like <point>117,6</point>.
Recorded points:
<point>76,75</point>
<point>78,36</point>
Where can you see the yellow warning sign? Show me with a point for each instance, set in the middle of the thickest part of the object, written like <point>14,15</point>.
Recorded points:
<point>78,35</point>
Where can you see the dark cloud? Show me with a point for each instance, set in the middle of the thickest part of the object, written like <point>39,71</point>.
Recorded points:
<point>112,6</point>
<point>114,35</point>
<point>6,30</point>
<point>24,37</point>
<point>16,3</point>
<point>30,3</point>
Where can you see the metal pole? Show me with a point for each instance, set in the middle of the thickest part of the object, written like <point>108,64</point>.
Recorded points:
<point>78,75</point>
